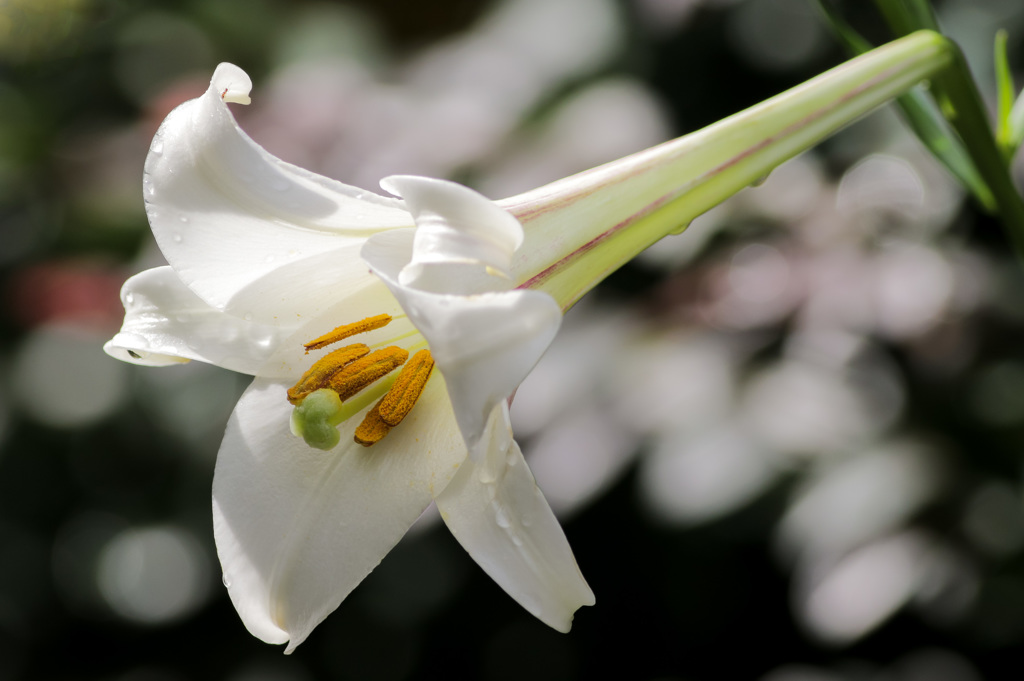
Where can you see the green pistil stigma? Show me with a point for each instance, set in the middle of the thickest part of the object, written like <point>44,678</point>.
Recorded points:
<point>315,420</point>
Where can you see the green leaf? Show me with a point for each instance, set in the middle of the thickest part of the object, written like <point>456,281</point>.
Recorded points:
<point>1015,136</point>
<point>854,42</point>
<point>956,93</point>
<point>921,14</point>
<point>1004,95</point>
<point>931,128</point>
<point>907,16</point>
<point>970,119</point>
<point>1010,132</point>
<point>923,119</point>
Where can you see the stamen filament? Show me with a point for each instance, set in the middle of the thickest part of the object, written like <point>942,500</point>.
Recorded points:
<point>364,371</point>
<point>399,401</point>
<point>347,330</point>
<point>318,375</point>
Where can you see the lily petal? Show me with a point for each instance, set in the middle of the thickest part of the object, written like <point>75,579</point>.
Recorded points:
<point>464,242</point>
<point>483,344</point>
<point>246,231</point>
<point>484,341</point>
<point>494,509</point>
<point>165,323</point>
<point>297,529</point>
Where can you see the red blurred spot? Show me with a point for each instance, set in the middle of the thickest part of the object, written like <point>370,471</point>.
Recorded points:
<point>68,291</point>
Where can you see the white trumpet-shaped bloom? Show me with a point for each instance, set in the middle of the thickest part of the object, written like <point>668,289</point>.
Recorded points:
<point>263,258</point>
<point>266,257</point>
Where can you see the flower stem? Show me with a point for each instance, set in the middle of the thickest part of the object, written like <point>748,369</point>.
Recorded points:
<point>600,219</point>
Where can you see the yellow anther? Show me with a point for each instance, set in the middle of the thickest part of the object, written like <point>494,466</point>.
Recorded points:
<point>341,374</point>
<point>343,332</point>
<point>373,429</point>
<point>399,401</point>
<point>323,369</point>
<point>364,371</point>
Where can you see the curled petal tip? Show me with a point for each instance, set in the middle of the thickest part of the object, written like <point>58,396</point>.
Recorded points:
<point>231,83</point>
<point>132,349</point>
<point>430,199</point>
<point>392,184</point>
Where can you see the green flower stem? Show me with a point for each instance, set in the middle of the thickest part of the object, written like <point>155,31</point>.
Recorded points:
<point>629,204</point>
<point>961,103</point>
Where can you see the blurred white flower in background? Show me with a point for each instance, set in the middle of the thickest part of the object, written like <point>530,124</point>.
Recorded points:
<point>839,600</point>
<point>691,478</point>
<point>775,35</point>
<point>847,502</point>
<point>154,575</point>
<point>60,380</point>
<point>453,105</point>
<point>606,120</point>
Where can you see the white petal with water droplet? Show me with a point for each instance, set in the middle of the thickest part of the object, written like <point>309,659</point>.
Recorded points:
<point>297,528</point>
<point>165,323</point>
<point>242,204</point>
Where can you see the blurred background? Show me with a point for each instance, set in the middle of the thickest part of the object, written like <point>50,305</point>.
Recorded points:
<point>786,445</point>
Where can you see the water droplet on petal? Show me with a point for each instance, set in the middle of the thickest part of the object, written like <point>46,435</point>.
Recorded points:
<point>226,581</point>
<point>178,238</point>
<point>501,518</point>
<point>129,298</point>
<point>247,316</point>
<point>183,218</point>
<point>157,147</point>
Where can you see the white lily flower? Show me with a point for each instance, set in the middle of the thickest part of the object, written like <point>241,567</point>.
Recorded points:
<point>328,459</point>
<point>265,257</point>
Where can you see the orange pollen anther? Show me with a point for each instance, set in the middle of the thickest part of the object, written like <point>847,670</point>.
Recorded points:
<point>318,375</point>
<point>347,330</point>
<point>373,428</point>
<point>351,369</point>
<point>364,371</point>
<point>400,400</point>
